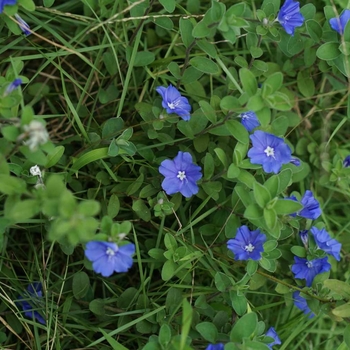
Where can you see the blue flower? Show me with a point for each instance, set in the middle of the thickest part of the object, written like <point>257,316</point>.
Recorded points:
<point>13,86</point>
<point>249,120</point>
<point>339,24</point>
<point>308,269</point>
<point>218,346</point>
<point>346,162</point>
<point>311,205</point>
<point>108,257</point>
<point>181,175</point>
<point>311,209</point>
<point>304,237</point>
<point>325,242</point>
<point>269,150</point>
<point>173,102</point>
<point>23,25</point>
<point>32,298</point>
<point>295,161</point>
<point>301,304</point>
<point>247,244</point>
<point>273,334</point>
<point>290,16</point>
<point>6,2</point>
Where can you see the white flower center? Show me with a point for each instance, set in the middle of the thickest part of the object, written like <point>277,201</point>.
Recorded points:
<point>249,248</point>
<point>181,175</point>
<point>287,18</point>
<point>270,152</point>
<point>110,252</point>
<point>244,116</point>
<point>309,264</point>
<point>171,105</point>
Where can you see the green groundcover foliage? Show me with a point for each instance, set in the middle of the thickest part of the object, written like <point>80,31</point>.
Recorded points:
<point>174,174</point>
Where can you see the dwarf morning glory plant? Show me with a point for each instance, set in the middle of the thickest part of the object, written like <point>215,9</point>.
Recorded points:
<point>339,23</point>
<point>32,297</point>
<point>271,332</point>
<point>304,236</point>
<point>249,120</point>
<point>290,16</point>
<point>270,151</point>
<point>247,244</point>
<point>181,175</point>
<point>308,269</point>
<point>173,102</point>
<point>301,304</point>
<point>325,242</point>
<point>108,257</point>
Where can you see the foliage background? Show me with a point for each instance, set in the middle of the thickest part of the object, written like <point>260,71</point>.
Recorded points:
<point>91,68</point>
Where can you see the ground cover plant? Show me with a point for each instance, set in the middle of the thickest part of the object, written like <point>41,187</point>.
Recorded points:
<point>174,174</point>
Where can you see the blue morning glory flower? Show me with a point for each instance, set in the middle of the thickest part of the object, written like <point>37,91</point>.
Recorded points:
<point>308,269</point>
<point>6,2</point>
<point>181,175</point>
<point>31,300</point>
<point>13,86</point>
<point>295,161</point>
<point>324,241</point>
<point>301,304</point>
<point>273,334</point>
<point>219,346</point>
<point>339,23</point>
<point>173,102</point>
<point>290,16</point>
<point>311,205</point>
<point>270,151</point>
<point>23,25</point>
<point>108,257</point>
<point>346,162</point>
<point>249,120</point>
<point>311,209</point>
<point>247,244</point>
<point>304,236</point>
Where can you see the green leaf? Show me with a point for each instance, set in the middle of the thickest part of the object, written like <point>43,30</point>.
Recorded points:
<point>208,111</point>
<point>270,217</point>
<point>314,29</point>
<point>141,209</point>
<point>238,131</point>
<point>298,251</point>
<point>113,206</point>
<point>338,287</point>
<point>347,335</point>
<point>261,194</point>
<point>11,185</point>
<point>112,127</point>
<point>169,5</point>
<point>253,211</point>
<point>222,282</point>
<point>272,83</point>
<point>208,331</point>
<point>342,310</point>
<point>248,80</point>
<point>187,314</point>
<point>80,285</point>
<point>112,342</point>
<point>285,177</point>
<point>306,84</point>
<point>233,171</point>
<point>24,210</point>
<point>246,178</point>
<point>328,51</point>
<point>164,335</point>
<point>54,157</point>
<point>279,101</point>
<point>97,306</point>
<point>205,65</point>
<point>238,302</point>
<point>89,157</point>
<point>287,206</point>
<point>222,156</point>
<point>27,4</point>
<point>272,185</point>
<point>244,327</point>
<point>208,166</point>
<point>186,28</point>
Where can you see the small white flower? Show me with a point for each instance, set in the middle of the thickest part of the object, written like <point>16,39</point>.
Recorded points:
<point>37,133</point>
<point>35,171</point>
